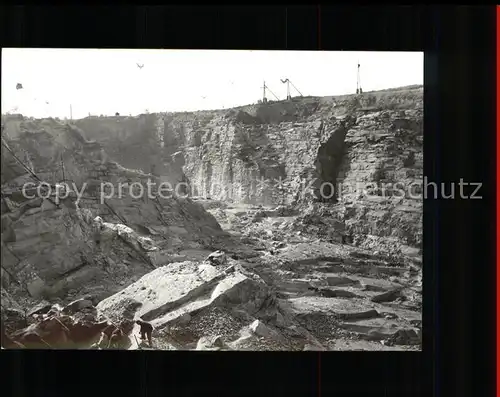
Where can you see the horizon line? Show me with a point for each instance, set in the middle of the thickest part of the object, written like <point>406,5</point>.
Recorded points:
<point>407,87</point>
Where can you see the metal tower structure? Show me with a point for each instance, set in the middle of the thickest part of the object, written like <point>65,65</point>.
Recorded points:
<point>359,90</point>
<point>264,99</point>
<point>288,96</point>
<point>288,82</point>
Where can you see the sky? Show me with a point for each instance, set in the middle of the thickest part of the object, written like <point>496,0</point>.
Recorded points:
<point>79,82</point>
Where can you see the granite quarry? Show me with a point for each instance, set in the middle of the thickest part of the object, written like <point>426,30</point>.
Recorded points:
<point>289,233</point>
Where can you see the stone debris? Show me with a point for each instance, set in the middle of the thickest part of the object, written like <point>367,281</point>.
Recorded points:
<point>217,258</point>
<point>405,337</point>
<point>388,296</point>
<point>313,348</point>
<point>210,343</point>
<point>260,329</point>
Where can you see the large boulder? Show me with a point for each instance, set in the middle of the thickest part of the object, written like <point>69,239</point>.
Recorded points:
<point>77,305</point>
<point>180,292</point>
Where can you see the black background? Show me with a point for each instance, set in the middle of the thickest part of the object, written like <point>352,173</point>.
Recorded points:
<point>459,242</point>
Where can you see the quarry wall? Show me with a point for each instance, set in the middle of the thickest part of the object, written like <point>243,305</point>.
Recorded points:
<point>267,153</point>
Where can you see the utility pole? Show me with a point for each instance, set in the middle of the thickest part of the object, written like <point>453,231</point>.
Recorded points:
<point>264,100</point>
<point>62,168</point>
<point>70,112</point>
<point>359,90</point>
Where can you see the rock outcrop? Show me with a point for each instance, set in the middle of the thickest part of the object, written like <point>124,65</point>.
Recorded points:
<point>49,243</point>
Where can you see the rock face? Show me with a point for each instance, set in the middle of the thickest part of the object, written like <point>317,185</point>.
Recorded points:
<point>49,244</point>
<point>351,149</point>
<point>141,143</point>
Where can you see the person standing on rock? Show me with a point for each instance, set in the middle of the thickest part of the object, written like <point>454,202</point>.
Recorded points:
<point>97,228</point>
<point>146,330</point>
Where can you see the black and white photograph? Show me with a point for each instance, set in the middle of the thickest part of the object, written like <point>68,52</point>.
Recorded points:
<point>216,200</point>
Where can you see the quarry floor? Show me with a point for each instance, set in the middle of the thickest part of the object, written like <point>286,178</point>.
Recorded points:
<point>347,298</point>
<point>321,294</point>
